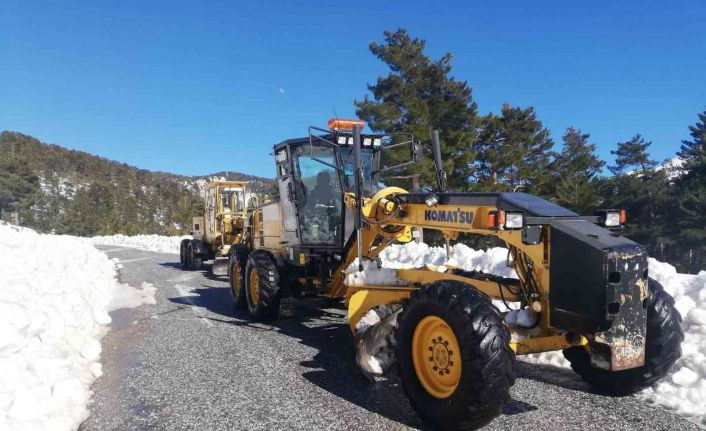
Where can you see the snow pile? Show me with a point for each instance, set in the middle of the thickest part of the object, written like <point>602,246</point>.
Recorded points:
<point>683,390</point>
<point>371,275</point>
<point>157,243</point>
<point>55,295</point>
<point>413,255</point>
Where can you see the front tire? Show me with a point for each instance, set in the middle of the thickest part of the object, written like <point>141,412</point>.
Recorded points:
<point>453,355</point>
<point>662,349</point>
<point>183,250</point>
<point>262,282</point>
<point>237,263</point>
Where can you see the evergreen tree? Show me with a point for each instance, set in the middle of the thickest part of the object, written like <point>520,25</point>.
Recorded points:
<point>632,155</point>
<point>575,170</point>
<point>18,184</point>
<point>644,192</point>
<point>694,152</point>
<point>417,96</point>
<point>691,198</point>
<point>513,152</point>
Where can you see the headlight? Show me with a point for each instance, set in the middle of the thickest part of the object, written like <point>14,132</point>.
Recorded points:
<point>612,219</point>
<point>514,221</point>
<point>503,220</point>
<point>377,142</point>
<point>367,141</point>
<point>341,140</point>
<point>431,200</point>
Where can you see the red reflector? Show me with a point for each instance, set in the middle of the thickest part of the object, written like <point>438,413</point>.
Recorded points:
<point>496,219</point>
<point>492,220</point>
<point>623,216</point>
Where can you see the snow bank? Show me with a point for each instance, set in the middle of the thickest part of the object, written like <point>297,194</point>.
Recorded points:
<point>157,243</point>
<point>55,295</point>
<point>683,390</point>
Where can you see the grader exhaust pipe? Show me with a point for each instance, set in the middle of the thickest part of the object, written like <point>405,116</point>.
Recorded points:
<point>358,171</point>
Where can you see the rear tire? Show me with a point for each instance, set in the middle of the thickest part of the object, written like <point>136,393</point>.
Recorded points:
<point>662,349</point>
<point>237,263</point>
<point>473,394</point>
<point>183,249</point>
<point>262,286</point>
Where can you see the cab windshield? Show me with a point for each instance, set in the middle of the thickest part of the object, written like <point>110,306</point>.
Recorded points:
<point>349,177</point>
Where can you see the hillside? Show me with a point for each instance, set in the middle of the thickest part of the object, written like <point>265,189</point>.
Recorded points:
<point>58,190</point>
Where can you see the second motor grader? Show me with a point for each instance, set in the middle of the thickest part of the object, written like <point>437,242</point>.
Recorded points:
<point>222,224</point>
<point>580,286</point>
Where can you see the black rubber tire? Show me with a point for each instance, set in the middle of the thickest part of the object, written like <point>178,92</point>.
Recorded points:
<point>193,259</point>
<point>267,305</point>
<point>237,261</point>
<point>183,247</point>
<point>487,367</point>
<point>662,349</point>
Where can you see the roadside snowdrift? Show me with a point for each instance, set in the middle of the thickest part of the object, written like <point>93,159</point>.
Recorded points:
<point>55,295</point>
<point>156,243</point>
<point>683,390</point>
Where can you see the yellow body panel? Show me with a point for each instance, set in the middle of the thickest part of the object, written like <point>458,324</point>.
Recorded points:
<point>365,298</point>
<point>386,222</point>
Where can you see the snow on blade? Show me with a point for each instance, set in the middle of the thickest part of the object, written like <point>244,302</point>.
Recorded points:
<point>157,243</point>
<point>682,390</point>
<point>55,294</point>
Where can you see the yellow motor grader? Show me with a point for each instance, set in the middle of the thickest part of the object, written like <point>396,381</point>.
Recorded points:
<point>579,286</point>
<point>226,206</point>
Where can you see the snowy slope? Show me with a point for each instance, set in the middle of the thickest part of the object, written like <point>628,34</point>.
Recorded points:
<point>55,295</point>
<point>683,390</point>
<point>156,243</point>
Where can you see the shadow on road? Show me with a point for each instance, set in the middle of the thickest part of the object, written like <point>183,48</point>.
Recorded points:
<point>320,323</point>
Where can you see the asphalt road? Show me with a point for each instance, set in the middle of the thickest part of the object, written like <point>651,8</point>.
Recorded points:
<point>191,362</point>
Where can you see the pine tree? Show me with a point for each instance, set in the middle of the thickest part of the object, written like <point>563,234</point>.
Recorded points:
<point>691,198</point>
<point>18,184</point>
<point>694,152</point>
<point>632,154</point>
<point>513,152</point>
<point>644,192</point>
<point>575,170</point>
<point>417,96</point>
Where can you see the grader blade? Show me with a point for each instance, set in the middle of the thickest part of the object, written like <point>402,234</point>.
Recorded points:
<point>375,346</point>
<point>220,266</point>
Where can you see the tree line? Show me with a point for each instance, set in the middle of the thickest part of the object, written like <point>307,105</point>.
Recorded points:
<point>513,151</point>
<point>62,191</point>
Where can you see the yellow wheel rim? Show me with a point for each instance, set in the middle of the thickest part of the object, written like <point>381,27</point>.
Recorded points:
<point>235,279</point>
<point>436,356</point>
<point>254,286</point>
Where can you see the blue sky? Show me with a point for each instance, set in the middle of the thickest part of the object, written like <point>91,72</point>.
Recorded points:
<point>199,87</point>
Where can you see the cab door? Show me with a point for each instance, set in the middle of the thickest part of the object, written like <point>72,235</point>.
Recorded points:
<point>320,211</point>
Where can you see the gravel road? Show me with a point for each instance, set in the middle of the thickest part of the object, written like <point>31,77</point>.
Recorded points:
<point>191,362</point>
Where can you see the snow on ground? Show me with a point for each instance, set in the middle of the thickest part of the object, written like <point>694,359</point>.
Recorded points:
<point>683,390</point>
<point>55,295</point>
<point>157,243</point>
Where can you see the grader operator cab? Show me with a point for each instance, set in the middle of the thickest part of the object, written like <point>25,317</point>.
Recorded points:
<point>579,287</point>
<point>226,206</point>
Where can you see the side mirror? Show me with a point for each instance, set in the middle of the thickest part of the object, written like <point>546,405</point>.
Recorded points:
<point>417,153</point>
